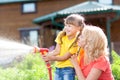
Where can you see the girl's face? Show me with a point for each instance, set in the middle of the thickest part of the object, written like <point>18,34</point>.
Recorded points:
<point>71,30</point>
<point>81,41</point>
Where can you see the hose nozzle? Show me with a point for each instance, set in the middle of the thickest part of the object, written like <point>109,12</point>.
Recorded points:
<point>42,51</point>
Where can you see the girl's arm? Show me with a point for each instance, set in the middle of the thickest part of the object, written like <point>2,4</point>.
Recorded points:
<point>57,58</point>
<point>94,74</point>
<point>62,58</point>
<point>52,56</point>
<point>56,51</point>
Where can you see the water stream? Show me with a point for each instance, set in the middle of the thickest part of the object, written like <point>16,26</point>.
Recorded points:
<point>9,50</point>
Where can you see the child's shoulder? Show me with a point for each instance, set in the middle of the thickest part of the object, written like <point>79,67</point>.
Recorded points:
<point>61,34</point>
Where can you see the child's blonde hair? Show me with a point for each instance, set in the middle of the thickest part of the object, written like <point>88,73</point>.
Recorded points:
<point>76,20</point>
<point>96,42</point>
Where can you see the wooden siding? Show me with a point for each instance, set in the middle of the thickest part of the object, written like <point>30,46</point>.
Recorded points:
<point>116,2</point>
<point>11,17</point>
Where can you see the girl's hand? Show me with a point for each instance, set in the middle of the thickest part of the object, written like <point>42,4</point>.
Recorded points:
<point>45,58</point>
<point>74,60</point>
<point>48,58</point>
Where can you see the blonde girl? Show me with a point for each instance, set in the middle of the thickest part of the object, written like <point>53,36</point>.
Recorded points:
<point>94,64</point>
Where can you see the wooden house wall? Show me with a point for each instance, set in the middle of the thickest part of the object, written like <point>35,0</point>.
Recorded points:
<point>12,18</point>
<point>116,2</point>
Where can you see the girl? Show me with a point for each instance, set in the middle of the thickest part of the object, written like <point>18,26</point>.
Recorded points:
<point>94,64</point>
<point>66,46</point>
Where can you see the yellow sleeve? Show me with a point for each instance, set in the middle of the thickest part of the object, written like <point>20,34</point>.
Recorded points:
<point>58,38</point>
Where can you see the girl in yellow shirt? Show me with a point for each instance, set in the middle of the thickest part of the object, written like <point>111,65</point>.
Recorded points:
<point>66,46</point>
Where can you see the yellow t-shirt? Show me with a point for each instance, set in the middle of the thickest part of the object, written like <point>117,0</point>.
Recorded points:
<point>66,43</point>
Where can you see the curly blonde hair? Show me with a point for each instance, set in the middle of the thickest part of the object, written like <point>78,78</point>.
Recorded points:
<point>96,42</point>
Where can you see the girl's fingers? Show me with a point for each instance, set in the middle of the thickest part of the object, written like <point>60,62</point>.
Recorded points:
<point>73,59</point>
<point>74,56</point>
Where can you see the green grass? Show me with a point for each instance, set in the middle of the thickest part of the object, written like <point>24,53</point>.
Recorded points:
<point>32,67</point>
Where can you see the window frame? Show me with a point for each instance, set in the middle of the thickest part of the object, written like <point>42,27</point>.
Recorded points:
<point>106,3</point>
<point>25,33</point>
<point>27,12</point>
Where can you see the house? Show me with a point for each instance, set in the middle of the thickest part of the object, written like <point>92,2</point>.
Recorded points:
<point>16,18</point>
<point>34,22</point>
<point>99,13</point>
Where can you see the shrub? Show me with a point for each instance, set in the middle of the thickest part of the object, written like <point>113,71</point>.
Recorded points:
<point>116,65</point>
<point>31,68</point>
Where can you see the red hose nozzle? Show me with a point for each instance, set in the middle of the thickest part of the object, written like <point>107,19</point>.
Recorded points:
<point>42,51</point>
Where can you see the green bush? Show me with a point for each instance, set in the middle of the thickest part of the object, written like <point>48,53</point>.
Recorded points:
<point>31,68</point>
<point>116,65</point>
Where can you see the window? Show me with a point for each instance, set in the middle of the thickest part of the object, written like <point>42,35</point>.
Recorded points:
<point>28,7</point>
<point>105,1</point>
<point>30,36</point>
<point>33,36</point>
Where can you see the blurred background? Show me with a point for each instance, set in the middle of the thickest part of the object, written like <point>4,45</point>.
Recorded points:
<point>28,23</point>
<point>37,22</point>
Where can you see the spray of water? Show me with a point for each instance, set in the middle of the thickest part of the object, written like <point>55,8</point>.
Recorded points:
<point>9,50</point>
